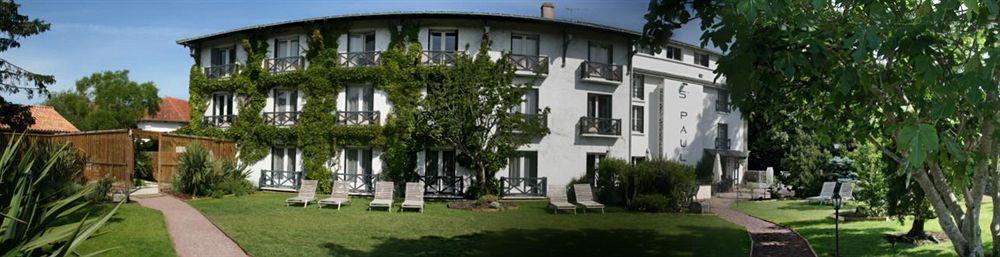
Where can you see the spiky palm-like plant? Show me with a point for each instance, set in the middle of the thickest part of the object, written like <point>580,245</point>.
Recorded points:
<point>33,224</point>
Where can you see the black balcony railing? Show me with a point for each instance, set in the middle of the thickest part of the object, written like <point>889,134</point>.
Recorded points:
<point>532,63</point>
<point>522,187</point>
<point>438,57</point>
<point>542,119</point>
<point>221,121</point>
<point>723,144</point>
<point>284,64</point>
<point>604,71</point>
<point>280,179</point>
<point>444,186</point>
<point>357,117</point>
<point>722,106</point>
<point>600,126</point>
<point>361,184</point>
<point>281,118</point>
<point>360,59</point>
<point>222,71</point>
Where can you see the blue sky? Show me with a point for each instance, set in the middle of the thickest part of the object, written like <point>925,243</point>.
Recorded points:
<point>89,36</point>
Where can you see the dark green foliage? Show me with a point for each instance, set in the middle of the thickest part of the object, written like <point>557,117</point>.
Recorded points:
<point>33,222</point>
<point>805,160</point>
<point>652,203</point>
<point>609,171</point>
<point>195,172</point>
<point>673,180</point>
<point>107,100</point>
<point>13,79</point>
<point>101,189</point>
<point>704,169</point>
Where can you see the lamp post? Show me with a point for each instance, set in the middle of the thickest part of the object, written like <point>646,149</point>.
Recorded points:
<point>837,202</point>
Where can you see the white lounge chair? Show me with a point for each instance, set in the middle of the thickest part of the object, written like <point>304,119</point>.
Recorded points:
<point>383,196</point>
<point>558,200</point>
<point>307,194</point>
<point>847,191</point>
<point>414,196</point>
<point>338,196</point>
<point>585,197</point>
<point>825,194</point>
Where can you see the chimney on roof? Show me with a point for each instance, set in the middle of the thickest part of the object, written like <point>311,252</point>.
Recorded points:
<point>548,10</point>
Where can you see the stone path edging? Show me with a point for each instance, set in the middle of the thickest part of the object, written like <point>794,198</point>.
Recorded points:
<point>768,238</point>
<point>193,235</point>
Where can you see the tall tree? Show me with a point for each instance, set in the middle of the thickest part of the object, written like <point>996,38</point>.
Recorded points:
<point>920,74</point>
<point>107,100</point>
<point>471,110</point>
<point>14,79</point>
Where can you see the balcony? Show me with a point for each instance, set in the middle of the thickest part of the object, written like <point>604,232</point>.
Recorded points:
<point>446,58</point>
<point>601,72</point>
<point>542,119</point>
<point>360,59</point>
<point>281,180</point>
<point>522,187</point>
<point>284,64</point>
<point>222,71</point>
<point>281,118</point>
<point>358,117</point>
<point>723,144</point>
<point>530,65</point>
<point>357,184</point>
<point>444,186</point>
<point>600,127</point>
<point>221,121</point>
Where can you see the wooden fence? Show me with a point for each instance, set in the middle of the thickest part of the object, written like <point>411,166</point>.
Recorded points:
<point>171,146</point>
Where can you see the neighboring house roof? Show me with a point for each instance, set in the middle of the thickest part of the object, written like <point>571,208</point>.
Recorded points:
<point>47,120</point>
<point>171,110</point>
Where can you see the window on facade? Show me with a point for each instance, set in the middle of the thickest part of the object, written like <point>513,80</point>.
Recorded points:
<point>722,104</point>
<point>673,53</point>
<point>222,104</point>
<point>523,164</point>
<point>722,138</point>
<point>223,56</point>
<point>638,116</point>
<point>524,44</point>
<point>599,53</point>
<point>358,161</point>
<point>288,47</point>
<point>361,42</point>
<point>593,160</point>
<point>286,100</point>
<point>529,104</point>
<point>439,163</point>
<point>701,59</point>
<point>283,159</point>
<point>443,40</point>
<point>639,87</point>
<point>599,106</point>
<point>360,98</point>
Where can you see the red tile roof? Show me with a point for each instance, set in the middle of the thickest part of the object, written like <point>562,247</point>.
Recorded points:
<point>172,110</point>
<point>47,120</point>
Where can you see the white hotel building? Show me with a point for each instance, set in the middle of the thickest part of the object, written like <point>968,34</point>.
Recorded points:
<point>606,98</point>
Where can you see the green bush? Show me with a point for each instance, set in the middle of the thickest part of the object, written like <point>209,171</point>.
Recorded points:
<point>704,169</point>
<point>651,203</point>
<point>608,173</point>
<point>873,182</point>
<point>673,180</point>
<point>101,189</point>
<point>195,172</point>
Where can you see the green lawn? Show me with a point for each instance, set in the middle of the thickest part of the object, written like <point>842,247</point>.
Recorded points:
<point>264,226</point>
<point>858,238</point>
<point>133,231</point>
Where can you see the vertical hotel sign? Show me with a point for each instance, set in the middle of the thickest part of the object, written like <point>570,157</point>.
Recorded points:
<point>682,95</point>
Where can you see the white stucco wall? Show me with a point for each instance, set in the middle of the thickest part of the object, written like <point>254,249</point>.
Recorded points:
<point>159,126</point>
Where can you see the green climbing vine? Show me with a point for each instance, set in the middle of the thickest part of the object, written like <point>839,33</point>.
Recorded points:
<point>316,132</point>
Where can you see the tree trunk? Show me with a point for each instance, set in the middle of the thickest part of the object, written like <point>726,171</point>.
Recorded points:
<point>481,176</point>
<point>917,229</point>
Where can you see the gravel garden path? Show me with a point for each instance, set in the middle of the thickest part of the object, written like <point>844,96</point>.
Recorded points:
<point>769,239</point>
<point>193,234</point>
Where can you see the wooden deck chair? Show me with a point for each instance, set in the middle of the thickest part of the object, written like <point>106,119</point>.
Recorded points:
<point>414,196</point>
<point>383,196</point>
<point>339,196</point>
<point>558,200</point>
<point>825,194</point>
<point>585,197</point>
<point>307,193</point>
